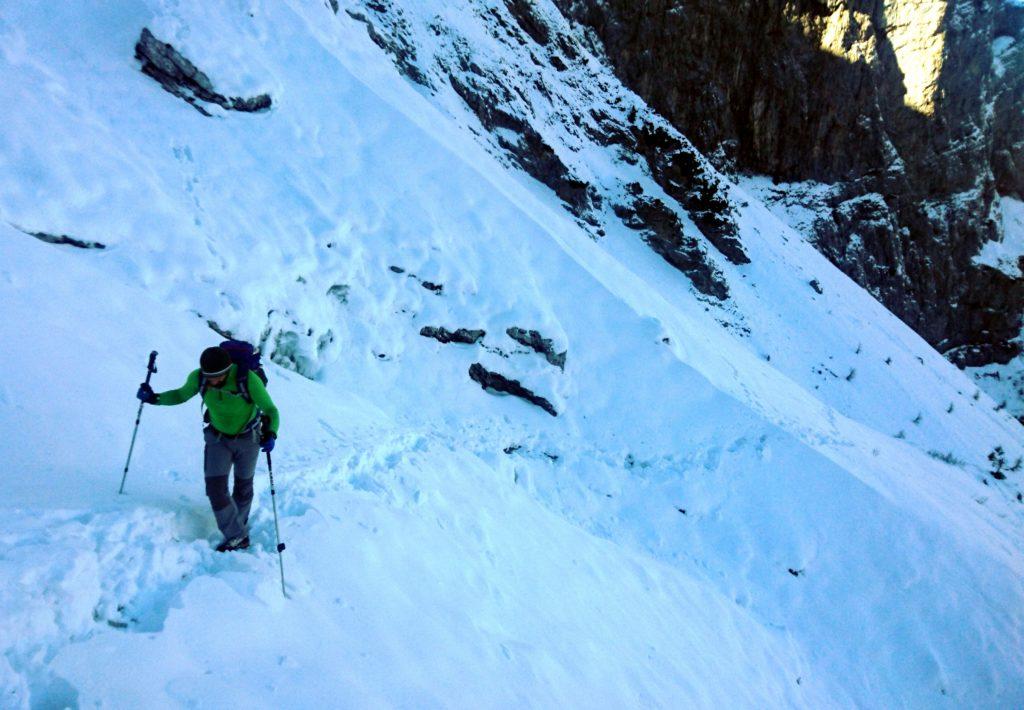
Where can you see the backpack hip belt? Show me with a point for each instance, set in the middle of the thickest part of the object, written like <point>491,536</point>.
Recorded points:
<point>252,426</point>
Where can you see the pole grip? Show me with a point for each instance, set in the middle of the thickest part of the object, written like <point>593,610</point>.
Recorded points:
<point>151,367</point>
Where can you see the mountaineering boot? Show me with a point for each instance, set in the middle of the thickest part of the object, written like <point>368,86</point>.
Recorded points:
<point>235,543</point>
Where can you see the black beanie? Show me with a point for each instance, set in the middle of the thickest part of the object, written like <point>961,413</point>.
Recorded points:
<point>214,361</point>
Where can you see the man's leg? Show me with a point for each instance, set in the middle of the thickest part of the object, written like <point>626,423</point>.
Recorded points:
<point>247,454</point>
<point>216,465</point>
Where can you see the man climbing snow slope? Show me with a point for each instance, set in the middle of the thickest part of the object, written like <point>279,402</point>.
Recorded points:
<point>241,420</point>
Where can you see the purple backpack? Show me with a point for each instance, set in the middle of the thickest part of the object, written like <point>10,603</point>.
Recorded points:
<point>247,359</point>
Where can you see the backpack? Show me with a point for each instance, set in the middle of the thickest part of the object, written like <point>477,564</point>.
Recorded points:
<point>246,357</point>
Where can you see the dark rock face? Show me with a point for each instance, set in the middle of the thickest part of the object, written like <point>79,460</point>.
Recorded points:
<point>663,231</point>
<point>895,102</point>
<point>528,21</point>
<point>741,76</point>
<point>397,44</point>
<point>179,76</point>
<point>521,140</point>
<point>533,340</point>
<point>461,335</point>
<point>499,383</point>
<point>1008,126</point>
<point>678,170</point>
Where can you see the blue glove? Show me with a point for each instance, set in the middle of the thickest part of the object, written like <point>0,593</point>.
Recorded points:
<point>146,394</point>
<point>268,442</point>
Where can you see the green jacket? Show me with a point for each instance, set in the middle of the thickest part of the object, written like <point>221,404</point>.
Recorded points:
<point>229,411</point>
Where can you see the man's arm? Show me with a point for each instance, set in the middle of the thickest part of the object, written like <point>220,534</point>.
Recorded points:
<point>262,399</point>
<point>183,394</point>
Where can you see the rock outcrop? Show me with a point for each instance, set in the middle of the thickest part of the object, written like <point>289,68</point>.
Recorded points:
<point>465,336</point>
<point>664,233</point>
<point>65,240</point>
<point>539,344</point>
<point>180,77</point>
<point>898,103</point>
<point>497,382</point>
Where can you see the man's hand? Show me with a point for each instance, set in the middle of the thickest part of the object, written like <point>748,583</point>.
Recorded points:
<point>267,441</point>
<point>146,394</point>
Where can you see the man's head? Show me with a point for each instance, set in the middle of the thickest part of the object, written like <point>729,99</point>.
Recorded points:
<point>214,363</point>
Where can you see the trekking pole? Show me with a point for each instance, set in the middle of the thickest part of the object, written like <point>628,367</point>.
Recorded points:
<point>150,369</point>
<point>277,532</point>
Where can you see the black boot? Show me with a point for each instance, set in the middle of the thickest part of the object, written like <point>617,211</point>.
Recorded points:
<point>235,543</point>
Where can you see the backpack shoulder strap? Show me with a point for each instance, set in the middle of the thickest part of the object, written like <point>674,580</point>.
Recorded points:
<point>203,386</point>
<point>242,382</point>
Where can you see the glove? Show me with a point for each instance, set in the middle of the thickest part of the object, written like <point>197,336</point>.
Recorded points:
<point>146,394</point>
<point>267,441</point>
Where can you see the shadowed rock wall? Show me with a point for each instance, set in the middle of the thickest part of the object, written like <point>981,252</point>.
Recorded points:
<point>898,102</point>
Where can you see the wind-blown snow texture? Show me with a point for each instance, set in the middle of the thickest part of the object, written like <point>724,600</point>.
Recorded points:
<point>781,500</point>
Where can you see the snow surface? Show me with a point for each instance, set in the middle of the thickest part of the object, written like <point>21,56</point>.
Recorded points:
<point>736,506</point>
<point>1004,255</point>
<point>798,204</point>
<point>1000,47</point>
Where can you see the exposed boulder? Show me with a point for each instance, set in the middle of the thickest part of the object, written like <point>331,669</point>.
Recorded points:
<point>339,292</point>
<point>533,340</point>
<point>180,77</point>
<point>499,383</point>
<point>460,335</point>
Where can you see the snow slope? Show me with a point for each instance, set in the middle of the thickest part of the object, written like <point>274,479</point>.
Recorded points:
<point>783,500</point>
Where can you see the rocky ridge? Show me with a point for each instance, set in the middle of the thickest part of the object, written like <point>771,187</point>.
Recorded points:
<point>545,105</point>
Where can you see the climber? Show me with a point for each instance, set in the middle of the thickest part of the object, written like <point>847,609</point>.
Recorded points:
<point>241,420</point>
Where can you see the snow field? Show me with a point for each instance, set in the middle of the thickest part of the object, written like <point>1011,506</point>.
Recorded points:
<point>427,566</point>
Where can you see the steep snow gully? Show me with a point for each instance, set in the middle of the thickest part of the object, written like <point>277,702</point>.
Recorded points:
<point>760,489</point>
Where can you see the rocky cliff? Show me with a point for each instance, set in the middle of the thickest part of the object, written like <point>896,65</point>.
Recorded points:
<point>1008,128</point>
<point>910,109</point>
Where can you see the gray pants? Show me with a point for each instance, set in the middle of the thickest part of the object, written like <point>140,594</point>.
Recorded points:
<point>231,511</point>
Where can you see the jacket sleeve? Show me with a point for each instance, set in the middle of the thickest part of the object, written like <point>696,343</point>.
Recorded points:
<point>183,394</point>
<point>262,399</point>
